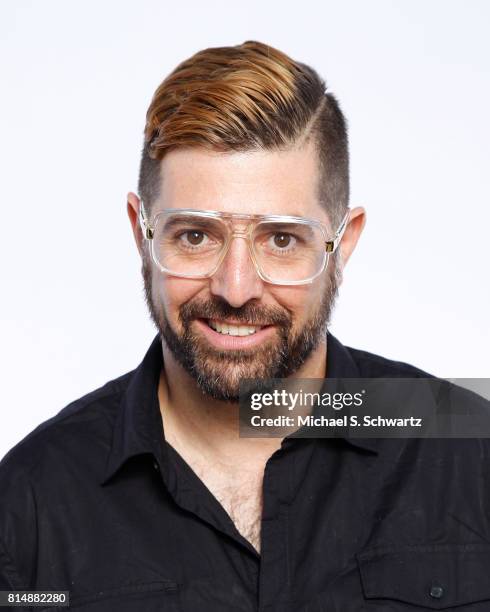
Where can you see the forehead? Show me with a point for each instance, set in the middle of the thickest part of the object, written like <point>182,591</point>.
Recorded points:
<point>253,182</point>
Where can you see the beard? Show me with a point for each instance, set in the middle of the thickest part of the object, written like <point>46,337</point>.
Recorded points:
<point>218,372</point>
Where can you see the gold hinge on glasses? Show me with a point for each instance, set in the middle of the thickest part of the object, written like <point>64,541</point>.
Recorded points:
<point>331,245</point>
<point>147,230</point>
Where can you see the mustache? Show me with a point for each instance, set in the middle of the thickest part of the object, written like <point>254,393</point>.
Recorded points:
<point>218,308</point>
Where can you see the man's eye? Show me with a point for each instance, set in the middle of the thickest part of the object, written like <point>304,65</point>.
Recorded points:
<point>282,241</point>
<point>190,238</point>
<point>194,237</point>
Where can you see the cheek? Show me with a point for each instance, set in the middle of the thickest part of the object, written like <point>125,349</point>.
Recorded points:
<point>300,301</point>
<point>171,292</point>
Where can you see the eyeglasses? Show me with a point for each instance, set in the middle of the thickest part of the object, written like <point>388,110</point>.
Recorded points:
<point>285,250</point>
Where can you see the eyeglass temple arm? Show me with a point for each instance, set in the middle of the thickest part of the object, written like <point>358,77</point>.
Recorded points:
<point>332,245</point>
<point>144,223</point>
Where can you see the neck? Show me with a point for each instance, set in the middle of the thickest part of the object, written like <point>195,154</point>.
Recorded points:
<point>201,428</point>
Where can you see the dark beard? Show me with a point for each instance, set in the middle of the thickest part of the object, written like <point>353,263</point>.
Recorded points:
<point>218,372</point>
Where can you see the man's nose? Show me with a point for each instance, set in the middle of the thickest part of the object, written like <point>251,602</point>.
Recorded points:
<point>236,280</point>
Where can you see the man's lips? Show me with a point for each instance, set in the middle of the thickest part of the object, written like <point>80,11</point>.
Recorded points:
<point>227,341</point>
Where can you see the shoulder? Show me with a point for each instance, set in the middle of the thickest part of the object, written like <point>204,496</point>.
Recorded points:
<point>73,441</point>
<point>93,411</point>
<point>458,439</point>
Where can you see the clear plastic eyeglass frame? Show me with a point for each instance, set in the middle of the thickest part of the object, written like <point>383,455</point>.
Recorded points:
<point>148,228</point>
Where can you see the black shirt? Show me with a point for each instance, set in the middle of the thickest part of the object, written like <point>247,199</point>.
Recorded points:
<point>94,501</point>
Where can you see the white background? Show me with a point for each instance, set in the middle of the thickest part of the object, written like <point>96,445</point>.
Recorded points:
<point>76,80</point>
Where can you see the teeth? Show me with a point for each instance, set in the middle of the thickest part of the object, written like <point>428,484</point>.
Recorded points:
<point>233,330</point>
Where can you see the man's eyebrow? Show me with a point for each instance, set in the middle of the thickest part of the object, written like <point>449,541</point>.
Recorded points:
<point>186,218</point>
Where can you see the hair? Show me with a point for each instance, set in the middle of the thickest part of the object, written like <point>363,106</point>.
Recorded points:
<point>247,97</point>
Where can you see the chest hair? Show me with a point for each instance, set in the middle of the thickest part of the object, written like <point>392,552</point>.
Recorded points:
<point>240,495</point>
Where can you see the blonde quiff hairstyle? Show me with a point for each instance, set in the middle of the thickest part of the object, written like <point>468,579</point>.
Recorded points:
<point>244,98</point>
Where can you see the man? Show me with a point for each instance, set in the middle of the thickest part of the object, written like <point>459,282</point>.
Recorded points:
<point>142,495</point>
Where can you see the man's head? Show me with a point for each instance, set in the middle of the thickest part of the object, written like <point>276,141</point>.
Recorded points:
<point>243,129</point>
<point>246,98</point>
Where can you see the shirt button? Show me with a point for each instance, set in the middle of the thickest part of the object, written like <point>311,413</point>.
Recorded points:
<point>436,592</point>
<point>155,465</point>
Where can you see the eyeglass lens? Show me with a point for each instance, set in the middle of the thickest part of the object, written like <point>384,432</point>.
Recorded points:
<point>193,245</point>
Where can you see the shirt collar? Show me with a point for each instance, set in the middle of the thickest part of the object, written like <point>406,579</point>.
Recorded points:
<point>341,364</point>
<point>138,427</point>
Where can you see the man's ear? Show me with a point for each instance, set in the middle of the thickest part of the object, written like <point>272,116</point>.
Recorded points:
<point>133,208</point>
<point>352,233</point>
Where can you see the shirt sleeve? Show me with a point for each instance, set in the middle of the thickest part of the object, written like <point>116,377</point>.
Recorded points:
<point>9,577</point>
<point>18,523</point>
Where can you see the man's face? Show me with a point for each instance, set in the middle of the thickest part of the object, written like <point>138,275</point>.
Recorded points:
<point>293,319</point>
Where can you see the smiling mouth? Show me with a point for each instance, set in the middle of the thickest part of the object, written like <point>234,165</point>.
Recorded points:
<point>233,329</point>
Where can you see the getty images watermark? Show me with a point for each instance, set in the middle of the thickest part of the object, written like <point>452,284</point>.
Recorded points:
<point>365,407</point>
